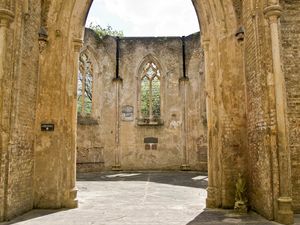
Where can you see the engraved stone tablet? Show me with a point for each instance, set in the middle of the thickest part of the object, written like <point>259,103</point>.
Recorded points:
<point>151,140</point>
<point>127,113</point>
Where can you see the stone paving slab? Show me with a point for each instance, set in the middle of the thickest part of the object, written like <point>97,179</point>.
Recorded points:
<point>140,198</point>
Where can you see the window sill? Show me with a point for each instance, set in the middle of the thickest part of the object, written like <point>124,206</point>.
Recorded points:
<point>150,122</point>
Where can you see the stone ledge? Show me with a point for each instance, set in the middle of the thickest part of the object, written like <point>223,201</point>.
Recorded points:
<point>150,122</point>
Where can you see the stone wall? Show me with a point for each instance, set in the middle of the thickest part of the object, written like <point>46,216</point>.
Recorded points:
<point>291,57</point>
<point>37,169</point>
<point>21,74</point>
<point>260,111</point>
<point>96,136</point>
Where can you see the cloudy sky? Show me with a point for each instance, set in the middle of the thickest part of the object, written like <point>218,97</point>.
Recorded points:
<point>145,17</point>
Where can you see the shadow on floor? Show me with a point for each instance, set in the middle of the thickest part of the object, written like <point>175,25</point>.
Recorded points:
<point>186,179</point>
<point>33,214</point>
<point>229,217</point>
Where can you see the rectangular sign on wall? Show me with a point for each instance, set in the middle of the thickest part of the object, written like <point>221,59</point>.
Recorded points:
<point>47,127</point>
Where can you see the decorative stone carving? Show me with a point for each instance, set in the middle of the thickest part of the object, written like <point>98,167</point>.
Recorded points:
<point>241,200</point>
<point>43,39</point>
<point>240,34</point>
<point>273,10</point>
<point>127,113</point>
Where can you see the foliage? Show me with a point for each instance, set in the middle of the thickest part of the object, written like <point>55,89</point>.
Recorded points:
<point>145,97</point>
<point>102,32</point>
<point>156,97</point>
<point>87,94</point>
<point>145,100</point>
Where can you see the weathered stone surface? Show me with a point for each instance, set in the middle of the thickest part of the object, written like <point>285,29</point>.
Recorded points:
<point>291,47</point>
<point>169,153</point>
<point>248,102</point>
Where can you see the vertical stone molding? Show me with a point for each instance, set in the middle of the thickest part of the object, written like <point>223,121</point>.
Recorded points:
<point>285,212</point>
<point>6,18</point>
<point>72,201</point>
<point>211,190</point>
<point>117,164</point>
<point>184,81</point>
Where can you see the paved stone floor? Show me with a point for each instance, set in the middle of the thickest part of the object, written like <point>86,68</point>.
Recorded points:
<point>146,198</point>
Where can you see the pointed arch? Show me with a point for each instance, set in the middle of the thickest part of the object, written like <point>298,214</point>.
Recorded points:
<point>149,78</point>
<point>85,85</point>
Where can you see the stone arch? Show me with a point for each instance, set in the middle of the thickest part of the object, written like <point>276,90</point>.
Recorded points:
<point>149,58</point>
<point>91,52</point>
<point>218,29</point>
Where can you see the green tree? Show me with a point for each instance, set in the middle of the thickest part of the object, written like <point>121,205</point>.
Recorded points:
<point>102,32</point>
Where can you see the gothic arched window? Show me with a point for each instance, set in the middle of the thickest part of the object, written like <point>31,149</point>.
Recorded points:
<point>150,99</point>
<point>85,85</point>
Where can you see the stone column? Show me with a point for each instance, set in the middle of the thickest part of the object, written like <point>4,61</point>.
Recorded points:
<point>117,165</point>
<point>72,201</point>
<point>285,212</point>
<point>185,165</point>
<point>6,18</point>
<point>211,190</point>
<point>210,201</point>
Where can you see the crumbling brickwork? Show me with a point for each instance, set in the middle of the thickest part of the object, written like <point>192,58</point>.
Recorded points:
<point>290,31</point>
<point>18,169</point>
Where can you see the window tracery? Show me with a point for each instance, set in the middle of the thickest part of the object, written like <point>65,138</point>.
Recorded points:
<point>150,105</point>
<point>85,86</point>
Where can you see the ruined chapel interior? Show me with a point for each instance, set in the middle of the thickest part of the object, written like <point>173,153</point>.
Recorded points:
<point>223,102</point>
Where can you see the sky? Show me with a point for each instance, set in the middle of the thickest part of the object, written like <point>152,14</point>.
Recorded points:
<point>145,17</point>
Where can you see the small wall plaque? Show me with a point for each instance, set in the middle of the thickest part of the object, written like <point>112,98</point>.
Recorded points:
<point>127,113</point>
<point>151,140</point>
<point>151,143</point>
<point>47,127</point>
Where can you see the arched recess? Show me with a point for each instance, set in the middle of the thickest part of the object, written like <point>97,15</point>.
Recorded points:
<point>92,56</point>
<point>140,71</point>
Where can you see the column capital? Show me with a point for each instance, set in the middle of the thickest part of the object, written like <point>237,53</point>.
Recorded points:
<point>78,43</point>
<point>273,12</point>
<point>6,17</point>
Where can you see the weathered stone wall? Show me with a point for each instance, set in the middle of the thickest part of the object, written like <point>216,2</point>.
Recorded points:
<point>290,30</point>
<point>96,141</point>
<point>267,164</point>
<point>21,74</point>
<point>260,110</point>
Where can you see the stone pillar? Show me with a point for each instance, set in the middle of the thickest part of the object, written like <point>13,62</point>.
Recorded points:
<point>72,201</point>
<point>285,213</point>
<point>211,190</point>
<point>117,163</point>
<point>184,84</point>
<point>6,18</point>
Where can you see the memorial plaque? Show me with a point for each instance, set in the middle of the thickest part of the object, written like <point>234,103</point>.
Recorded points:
<point>151,140</point>
<point>127,113</point>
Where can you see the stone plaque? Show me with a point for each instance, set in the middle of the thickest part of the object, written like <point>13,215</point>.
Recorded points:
<point>150,140</point>
<point>127,113</point>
